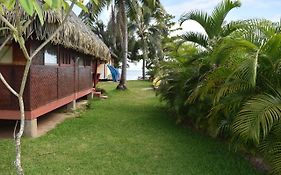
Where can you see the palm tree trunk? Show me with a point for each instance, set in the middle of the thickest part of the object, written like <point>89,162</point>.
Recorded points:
<point>143,68</point>
<point>113,26</point>
<point>144,58</point>
<point>122,83</point>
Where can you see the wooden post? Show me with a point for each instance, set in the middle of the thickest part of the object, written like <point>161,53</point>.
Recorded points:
<point>90,96</point>
<point>71,106</point>
<point>95,73</point>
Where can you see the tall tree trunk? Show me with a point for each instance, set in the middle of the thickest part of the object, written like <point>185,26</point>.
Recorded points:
<point>143,68</point>
<point>122,83</point>
<point>113,26</point>
<point>144,57</point>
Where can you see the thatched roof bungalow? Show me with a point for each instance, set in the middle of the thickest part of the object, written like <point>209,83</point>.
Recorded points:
<point>74,35</point>
<point>60,73</point>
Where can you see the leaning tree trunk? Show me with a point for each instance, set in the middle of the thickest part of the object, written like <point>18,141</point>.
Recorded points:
<point>22,117</point>
<point>122,83</point>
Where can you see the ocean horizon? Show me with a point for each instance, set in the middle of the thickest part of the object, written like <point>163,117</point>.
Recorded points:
<point>133,74</point>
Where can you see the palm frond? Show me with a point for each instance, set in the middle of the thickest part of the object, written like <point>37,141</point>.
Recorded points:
<point>272,47</point>
<point>257,117</point>
<point>197,38</point>
<point>133,10</point>
<point>242,79</point>
<point>95,8</point>
<point>235,86</point>
<point>257,31</point>
<point>209,84</point>
<point>220,12</point>
<point>231,27</point>
<point>151,3</point>
<point>201,17</point>
<point>271,146</point>
<point>229,46</point>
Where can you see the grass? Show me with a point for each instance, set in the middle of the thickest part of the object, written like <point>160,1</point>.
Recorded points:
<point>128,133</point>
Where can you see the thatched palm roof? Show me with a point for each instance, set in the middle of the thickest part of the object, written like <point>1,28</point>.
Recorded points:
<point>74,34</point>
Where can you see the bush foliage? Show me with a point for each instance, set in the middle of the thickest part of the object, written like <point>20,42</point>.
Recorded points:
<point>228,82</point>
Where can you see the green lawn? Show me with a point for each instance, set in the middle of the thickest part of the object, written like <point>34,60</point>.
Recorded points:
<point>128,133</point>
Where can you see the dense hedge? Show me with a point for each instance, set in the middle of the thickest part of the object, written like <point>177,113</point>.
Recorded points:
<point>230,85</point>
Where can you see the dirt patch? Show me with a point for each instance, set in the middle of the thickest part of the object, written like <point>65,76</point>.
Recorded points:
<point>50,121</point>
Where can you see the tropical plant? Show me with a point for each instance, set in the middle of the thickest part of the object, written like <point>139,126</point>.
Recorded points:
<point>109,33</point>
<point>204,62</point>
<point>179,76</point>
<point>246,88</point>
<point>123,8</point>
<point>235,76</point>
<point>150,28</point>
<point>214,25</point>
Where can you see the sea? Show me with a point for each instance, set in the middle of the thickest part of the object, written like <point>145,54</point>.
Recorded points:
<point>133,74</point>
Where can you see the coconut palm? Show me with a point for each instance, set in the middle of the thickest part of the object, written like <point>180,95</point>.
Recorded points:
<point>123,8</point>
<point>108,35</point>
<point>150,30</point>
<point>214,25</point>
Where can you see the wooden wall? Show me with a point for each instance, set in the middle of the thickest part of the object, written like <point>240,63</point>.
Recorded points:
<point>13,75</point>
<point>46,83</point>
<point>18,56</point>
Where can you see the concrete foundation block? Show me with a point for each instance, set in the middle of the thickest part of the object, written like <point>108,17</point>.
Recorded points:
<point>90,96</point>
<point>71,106</point>
<point>30,128</point>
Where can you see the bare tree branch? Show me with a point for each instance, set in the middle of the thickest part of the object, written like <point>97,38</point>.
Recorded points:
<point>5,42</point>
<point>7,23</point>
<point>8,86</point>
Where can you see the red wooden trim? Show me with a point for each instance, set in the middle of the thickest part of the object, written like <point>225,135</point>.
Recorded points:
<point>14,115</point>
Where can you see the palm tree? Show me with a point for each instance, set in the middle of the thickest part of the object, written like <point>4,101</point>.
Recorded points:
<point>214,24</point>
<point>107,33</point>
<point>244,90</point>
<point>145,24</point>
<point>123,7</point>
<point>216,30</point>
<point>179,75</point>
<point>247,88</point>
